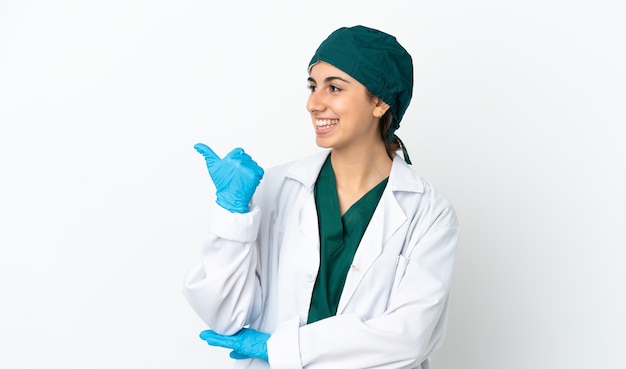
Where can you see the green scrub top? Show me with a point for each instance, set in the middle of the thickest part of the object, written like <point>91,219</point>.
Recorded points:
<point>339,239</point>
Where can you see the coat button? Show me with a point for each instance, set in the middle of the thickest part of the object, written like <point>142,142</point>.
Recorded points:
<point>310,276</point>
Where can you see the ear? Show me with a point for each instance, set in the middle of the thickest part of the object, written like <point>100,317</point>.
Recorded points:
<point>381,108</point>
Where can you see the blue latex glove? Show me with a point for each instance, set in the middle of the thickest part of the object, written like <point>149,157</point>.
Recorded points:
<point>236,177</point>
<point>246,344</point>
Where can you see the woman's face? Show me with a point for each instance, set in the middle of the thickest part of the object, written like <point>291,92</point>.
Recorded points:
<point>343,114</point>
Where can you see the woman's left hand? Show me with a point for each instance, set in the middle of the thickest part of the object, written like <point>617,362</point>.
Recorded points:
<point>246,344</point>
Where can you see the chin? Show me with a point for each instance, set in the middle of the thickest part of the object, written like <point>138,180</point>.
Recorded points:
<point>325,144</point>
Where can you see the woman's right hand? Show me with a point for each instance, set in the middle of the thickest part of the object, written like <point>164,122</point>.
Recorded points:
<point>236,177</point>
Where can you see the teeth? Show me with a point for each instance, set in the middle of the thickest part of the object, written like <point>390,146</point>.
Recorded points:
<point>326,122</point>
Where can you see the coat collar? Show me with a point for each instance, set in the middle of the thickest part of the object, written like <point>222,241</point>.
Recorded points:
<point>401,178</point>
<point>307,169</point>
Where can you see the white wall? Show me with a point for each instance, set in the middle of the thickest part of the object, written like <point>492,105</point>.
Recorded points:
<point>517,117</point>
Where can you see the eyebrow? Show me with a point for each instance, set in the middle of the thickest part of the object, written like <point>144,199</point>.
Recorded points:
<point>328,79</point>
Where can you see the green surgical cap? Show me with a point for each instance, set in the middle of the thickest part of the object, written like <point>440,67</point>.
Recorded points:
<point>376,60</point>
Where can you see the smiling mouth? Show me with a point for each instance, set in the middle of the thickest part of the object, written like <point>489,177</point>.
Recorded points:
<point>325,123</point>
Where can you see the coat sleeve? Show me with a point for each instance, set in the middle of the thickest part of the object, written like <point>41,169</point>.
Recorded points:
<point>410,329</point>
<point>223,287</point>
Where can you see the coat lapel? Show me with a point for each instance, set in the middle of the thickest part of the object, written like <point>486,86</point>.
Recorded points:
<point>308,221</point>
<point>306,171</point>
<point>386,220</point>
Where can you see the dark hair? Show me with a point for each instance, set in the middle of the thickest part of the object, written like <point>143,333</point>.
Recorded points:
<point>392,146</point>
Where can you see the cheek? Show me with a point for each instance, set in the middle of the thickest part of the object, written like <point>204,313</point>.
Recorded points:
<point>364,112</point>
<point>341,107</point>
<point>354,109</point>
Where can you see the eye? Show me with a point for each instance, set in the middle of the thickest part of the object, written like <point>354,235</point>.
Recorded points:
<point>311,88</point>
<point>334,88</point>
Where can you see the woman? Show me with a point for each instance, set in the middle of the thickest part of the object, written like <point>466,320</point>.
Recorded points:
<point>342,259</point>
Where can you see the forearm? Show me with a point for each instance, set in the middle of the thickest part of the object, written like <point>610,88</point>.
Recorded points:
<point>223,287</point>
<point>400,340</point>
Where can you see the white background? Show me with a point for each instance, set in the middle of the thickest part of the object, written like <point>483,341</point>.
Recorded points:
<point>518,117</point>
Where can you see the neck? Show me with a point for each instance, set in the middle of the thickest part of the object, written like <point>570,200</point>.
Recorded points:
<point>361,169</point>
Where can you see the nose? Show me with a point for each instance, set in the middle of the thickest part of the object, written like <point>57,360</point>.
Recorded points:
<point>314,103</point>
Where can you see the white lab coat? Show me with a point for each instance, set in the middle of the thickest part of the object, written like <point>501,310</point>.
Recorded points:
<point>259,269</point>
